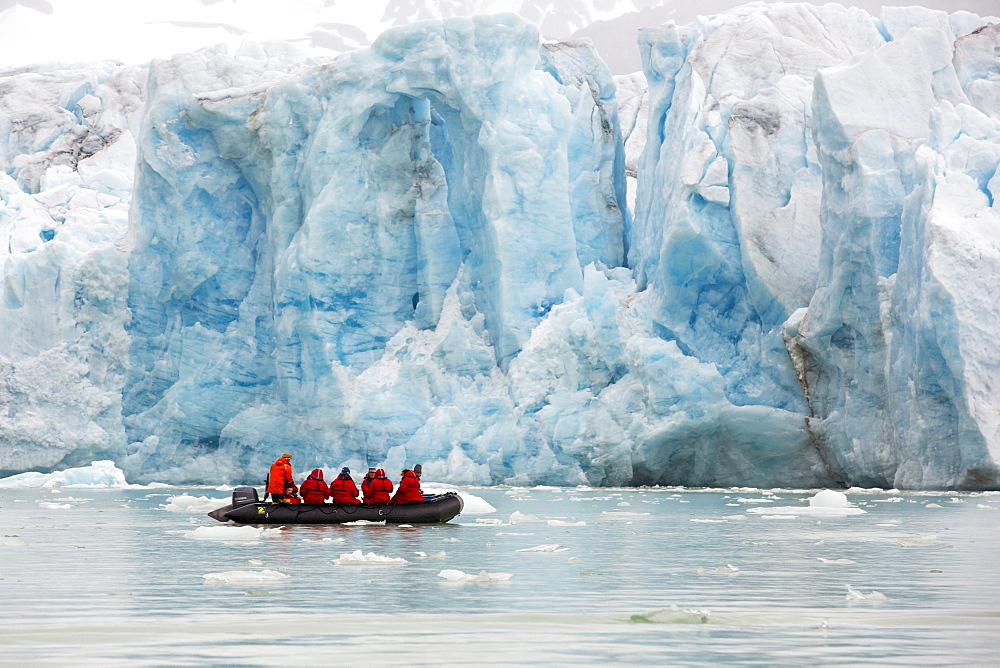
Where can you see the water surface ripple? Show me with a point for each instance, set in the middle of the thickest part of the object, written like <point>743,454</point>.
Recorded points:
<point>652,576</point>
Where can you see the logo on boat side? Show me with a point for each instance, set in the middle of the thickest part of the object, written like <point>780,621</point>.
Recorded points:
<point>260,511</point>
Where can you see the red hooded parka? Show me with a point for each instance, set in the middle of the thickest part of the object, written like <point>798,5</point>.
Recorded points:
<point>377,489</point>
<point>314,489</point>
<point>343,489</point>
<point>409,488</point>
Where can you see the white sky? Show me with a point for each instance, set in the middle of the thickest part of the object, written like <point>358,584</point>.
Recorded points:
<point>135,31</point>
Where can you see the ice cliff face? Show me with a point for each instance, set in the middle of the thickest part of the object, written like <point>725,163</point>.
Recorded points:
<point>424,252</point>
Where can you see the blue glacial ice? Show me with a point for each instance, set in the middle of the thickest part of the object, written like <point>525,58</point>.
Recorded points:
<point>425,251</point>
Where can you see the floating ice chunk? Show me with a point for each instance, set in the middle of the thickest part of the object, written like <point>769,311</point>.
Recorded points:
<point>12,541</point>
<point>98,474</point>
<point>983,506</point>
<point>517,517</point>
<point>933,505</point>
<point>48,505</point>
<point>828,498</point>
<point>826,503</point>
<point>255,562</point>
<point>244,577</point>
<point>548,547</point>
<point>709,521</point>
<point>186,503</point>
<point>855,595</point>
<point>837,562</point>
<point>483,577</point>
<point>475,505</point>
<point>432,555</point>
<point>566,523</point>
<point>726,569</point>
<point>919,540</point>
<point>492,521</point>
<point>619,515</point>
<point>356,558</point>
<point>755,500</point>
<point>673,615</point>
<point>328,539</point>
<point>512,533</point>
<point>225,533</point>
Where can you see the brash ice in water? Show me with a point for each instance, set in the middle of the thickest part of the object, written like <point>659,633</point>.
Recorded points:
<point>96,572</point>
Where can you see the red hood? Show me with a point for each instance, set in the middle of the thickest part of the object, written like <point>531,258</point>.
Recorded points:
<point>317,473</point>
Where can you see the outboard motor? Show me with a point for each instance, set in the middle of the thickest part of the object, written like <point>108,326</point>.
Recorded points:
<point>243,496</point>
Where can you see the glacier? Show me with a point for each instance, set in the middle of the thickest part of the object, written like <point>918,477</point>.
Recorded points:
<point>769,259</point>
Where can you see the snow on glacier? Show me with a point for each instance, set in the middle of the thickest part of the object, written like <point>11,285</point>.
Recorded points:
<point>425,252</point>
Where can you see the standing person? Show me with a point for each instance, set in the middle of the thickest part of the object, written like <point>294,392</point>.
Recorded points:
<point>409,488</point>
<point>378,489</point>
<point>343,489</point>
<point>280,484</point>
<point>314,489</point>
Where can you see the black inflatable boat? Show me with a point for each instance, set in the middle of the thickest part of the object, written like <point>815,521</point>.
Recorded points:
<point>246,508</point>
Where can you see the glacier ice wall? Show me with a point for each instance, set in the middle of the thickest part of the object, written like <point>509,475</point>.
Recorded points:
<point>424,252</point>
<point>801,199</point>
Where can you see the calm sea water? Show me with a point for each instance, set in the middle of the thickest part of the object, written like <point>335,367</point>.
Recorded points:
<point>661,577</point>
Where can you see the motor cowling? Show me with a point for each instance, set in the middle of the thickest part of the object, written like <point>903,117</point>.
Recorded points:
<point>243,496</point>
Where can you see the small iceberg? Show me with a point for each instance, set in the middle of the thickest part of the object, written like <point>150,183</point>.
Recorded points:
<point>826,503</point>
<point>225,533</point>
<point>549,547</point>
<point>50,505</point>
<point>483,577</point>
<point>838,562</point>
<point>855,595</point>
<point>356,558</point>
<point>244,577</point>
<point>566,523</point>
<point>187,503</point>
<point>98,475</point>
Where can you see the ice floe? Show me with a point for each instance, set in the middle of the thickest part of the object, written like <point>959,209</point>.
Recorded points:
<point>99,474</point>
<point>548,547</point>
<point>187,503</point>
<point>855,595</point>
<point>225,533</point>
<point>245,577</point>
<point>826,503</point>
<point>483,577</point>
<point>49,505</point>
<point>356,558</point>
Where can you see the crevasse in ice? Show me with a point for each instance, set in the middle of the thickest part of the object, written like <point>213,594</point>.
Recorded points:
<point>424,252</point>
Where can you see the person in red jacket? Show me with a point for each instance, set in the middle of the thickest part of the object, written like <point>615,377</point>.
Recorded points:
<point>343,489</point>
<point>280,484</point>
<point>377,489</point>
<point>314,489</point>
<point>409,488</point>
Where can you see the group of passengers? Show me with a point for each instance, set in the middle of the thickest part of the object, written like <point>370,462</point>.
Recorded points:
<point>375,488</point>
